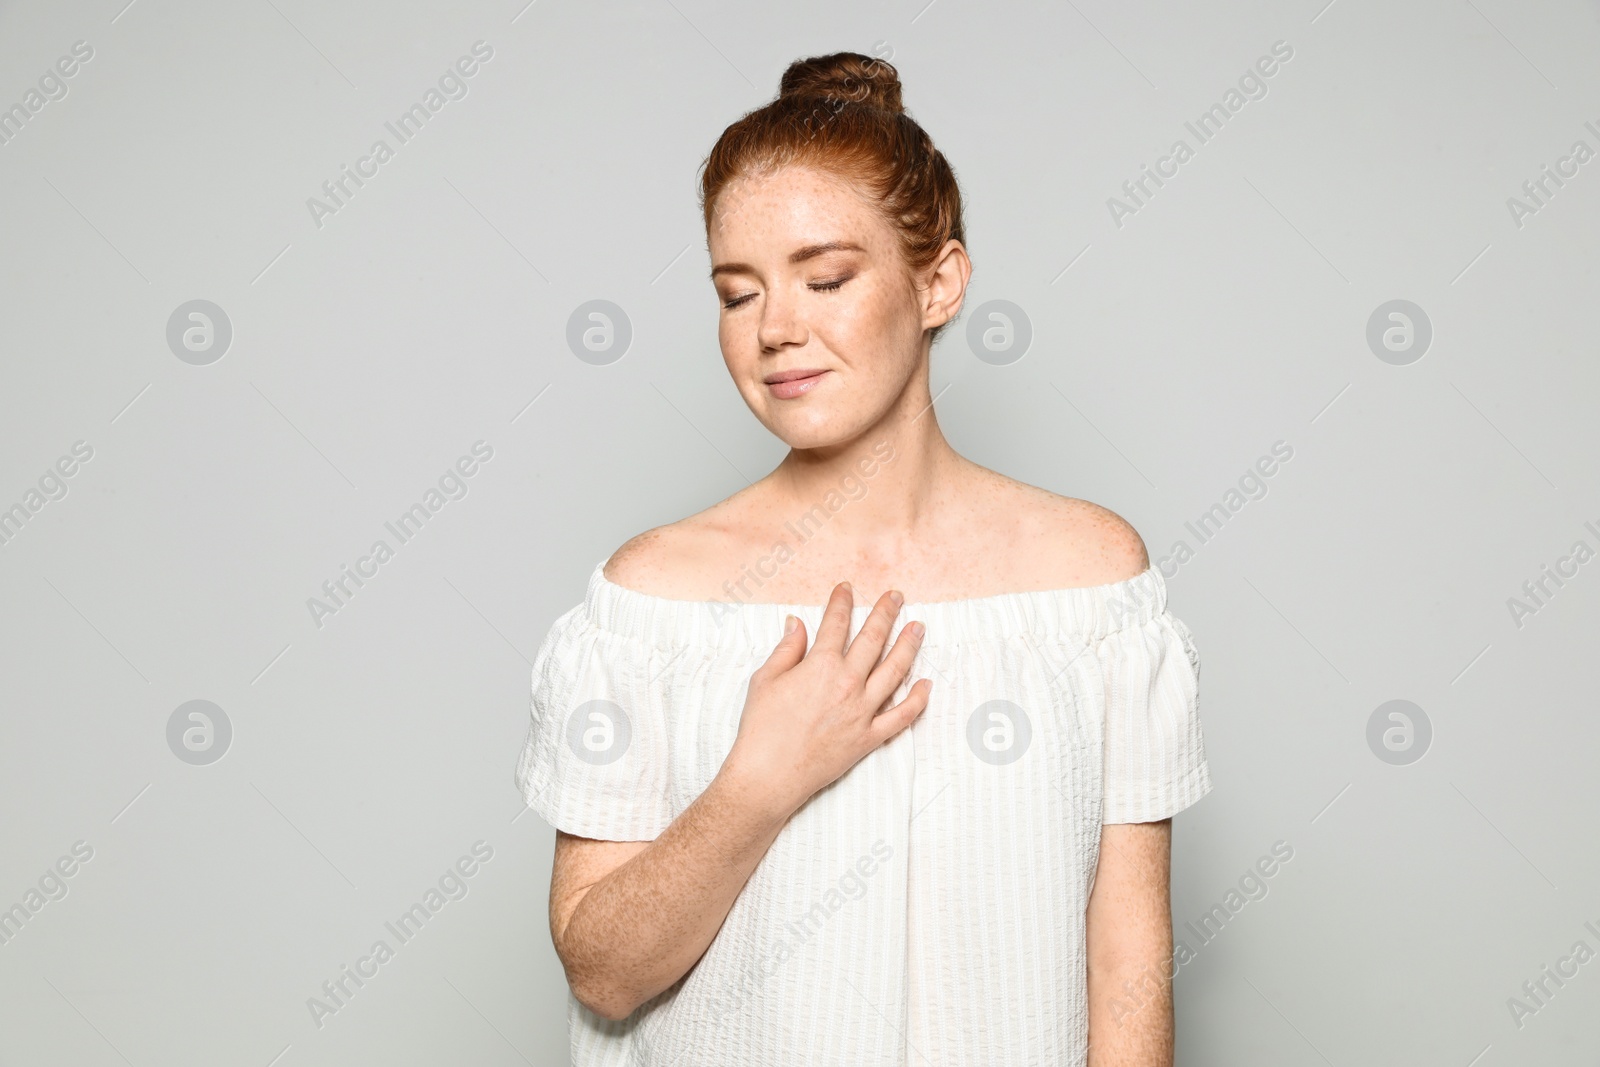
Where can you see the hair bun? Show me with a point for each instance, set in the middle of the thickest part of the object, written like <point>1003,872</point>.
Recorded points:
<point>848,76</point>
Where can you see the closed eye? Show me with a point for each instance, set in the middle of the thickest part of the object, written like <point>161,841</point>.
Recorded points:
<point>819,287</point>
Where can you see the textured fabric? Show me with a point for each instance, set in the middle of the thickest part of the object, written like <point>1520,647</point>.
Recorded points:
<point>928,907</point>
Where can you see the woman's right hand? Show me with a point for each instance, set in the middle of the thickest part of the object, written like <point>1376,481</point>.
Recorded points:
<point>809,717</point>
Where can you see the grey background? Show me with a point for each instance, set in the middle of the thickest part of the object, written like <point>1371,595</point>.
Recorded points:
<point>431,311</point>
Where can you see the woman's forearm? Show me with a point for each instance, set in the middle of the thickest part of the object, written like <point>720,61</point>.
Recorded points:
<point>644,925</point>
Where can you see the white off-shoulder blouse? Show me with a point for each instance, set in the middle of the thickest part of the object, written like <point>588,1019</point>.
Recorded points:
<point>927,908</point>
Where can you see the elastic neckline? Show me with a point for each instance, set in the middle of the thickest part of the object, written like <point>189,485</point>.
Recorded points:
<point>1089,611</point>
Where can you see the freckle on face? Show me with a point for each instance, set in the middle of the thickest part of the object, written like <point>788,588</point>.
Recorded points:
<point>866,331</point>
<point>768,217</point>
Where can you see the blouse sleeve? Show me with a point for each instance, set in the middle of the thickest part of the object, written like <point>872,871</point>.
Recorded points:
<point>1155,757</point>
<point>595,760</point>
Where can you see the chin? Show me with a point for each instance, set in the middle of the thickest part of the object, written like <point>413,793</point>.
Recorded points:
<point>814,430</point>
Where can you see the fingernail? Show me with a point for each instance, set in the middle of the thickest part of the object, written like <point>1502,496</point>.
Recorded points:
<point>789,623</point>
<point>895,598</point>
<point>917,628</point>
<point>846,586</point>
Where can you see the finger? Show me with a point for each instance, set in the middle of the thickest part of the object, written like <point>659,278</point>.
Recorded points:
<point>887,724</point>
<point>835,625</point>
<point>887,676</point>
<point>790,649</point>
<point>867,646</point>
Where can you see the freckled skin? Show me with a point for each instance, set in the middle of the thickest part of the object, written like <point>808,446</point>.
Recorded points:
<point>869,331</point>
<point>631,918</point>
<point>932,523</point>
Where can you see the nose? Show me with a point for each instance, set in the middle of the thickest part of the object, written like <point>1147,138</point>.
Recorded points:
<point>780,324</point>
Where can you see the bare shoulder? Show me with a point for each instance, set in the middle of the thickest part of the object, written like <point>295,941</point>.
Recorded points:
<point>656,561</point>
<point>674,560</point>
<point>1104,542</point>
<point>1079,543</point>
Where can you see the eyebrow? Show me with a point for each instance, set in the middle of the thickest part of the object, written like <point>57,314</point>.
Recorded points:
<point>799,255</point>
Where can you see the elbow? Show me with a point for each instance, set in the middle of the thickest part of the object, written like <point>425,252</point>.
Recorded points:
<point>610,1004</point>
<point>597,992</point>
<point>590,985</point>
<point>594,982</point>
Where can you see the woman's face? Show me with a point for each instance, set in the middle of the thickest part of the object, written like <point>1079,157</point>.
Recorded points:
<point>809,278</point>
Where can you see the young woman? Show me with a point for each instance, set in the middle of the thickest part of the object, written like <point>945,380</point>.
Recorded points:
<point>939,834</point>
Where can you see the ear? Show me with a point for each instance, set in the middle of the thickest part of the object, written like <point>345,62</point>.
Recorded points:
<point>946,285</point>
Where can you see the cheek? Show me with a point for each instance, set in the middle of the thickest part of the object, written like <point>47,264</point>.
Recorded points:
<point>742,357</point>
<point>895,325</point>
<point>876,316</point>
<point>736,342</point>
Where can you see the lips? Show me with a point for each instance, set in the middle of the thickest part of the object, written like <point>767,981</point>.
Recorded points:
<point>791,375</point>
<point>789,384</point>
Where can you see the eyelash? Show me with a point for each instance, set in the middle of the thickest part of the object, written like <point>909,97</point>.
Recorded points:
<point>821,287</point>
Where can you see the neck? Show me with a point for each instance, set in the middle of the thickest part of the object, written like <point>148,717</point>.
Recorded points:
<point>879,493</point>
